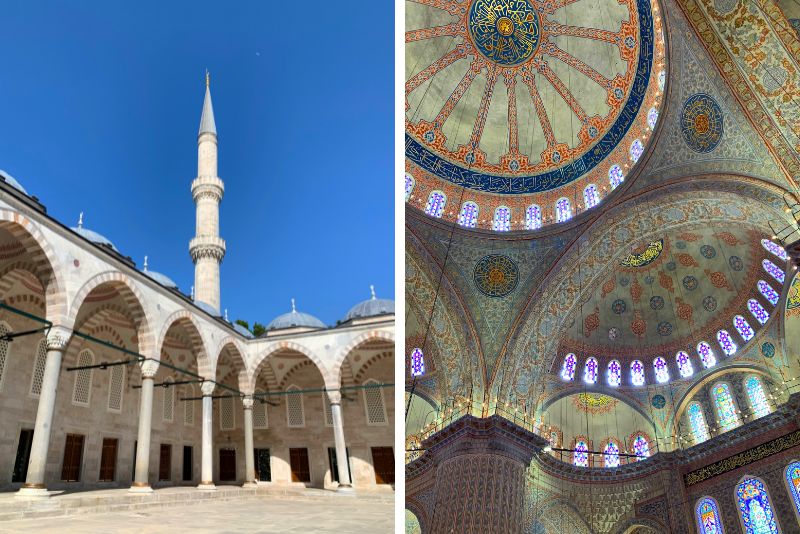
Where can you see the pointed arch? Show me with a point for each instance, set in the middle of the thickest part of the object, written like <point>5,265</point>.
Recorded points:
<point>372,335</point>
<point>282,346</point>
<point>187,320</point>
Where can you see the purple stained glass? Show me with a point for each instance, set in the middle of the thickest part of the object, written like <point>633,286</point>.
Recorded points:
<point>640,447</point>
<point>755,507</point>
<point>581,454</point>
<point>615,176</point>
<point>726,342</point>
<point>568,369</point>
<point>637,149</point>
<point>417,362</point>
<point>590,196</point>
<point>768,292</point>
<point>774,271</point>
<point>775,249</point>
<point>652,117</point>
<point>590,371</point>
<point>743,327</point>
<point>611,455</point>
<point>563,210</point>
<point>468,218</point>
<point>637,373</point>
<point>758,311</point>
<point>708,518</point>
<point>409,185</point>
<point>533,217</point>
<point>706,354</point>
<point>614,373</point>
<point>502,219</point>
<point>662,371</point>
<point>685,367</point>
<point>436,202</point>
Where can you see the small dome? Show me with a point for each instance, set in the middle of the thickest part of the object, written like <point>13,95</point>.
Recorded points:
<point>11,181</point>
<point>295,319</point>
<point>371,308</point>
<point>94,237</point>
<point>242,330</point>
<point>162,279</point>
<point>208,308</point>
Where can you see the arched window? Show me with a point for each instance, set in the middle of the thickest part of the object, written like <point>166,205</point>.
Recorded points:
<point>685,367</point>
<point>169,402</point>
<point>115,387</point>
<point>756,396</point>
<point>581,455</point>
<point>590,371</point>
<point>568,369</point>
<point>417,362</point>
<point>260,416</point>
<point>502,219</point>
<point>652,118</point>
<point>590,196</point>
<point>706,354</point>
<point>554,439</point>
<point>697,420</point>
<point>614,375</point>
<point>563,210</point>
<point>743,327</point>
<point>373,402</point>
<point>409,185</point>
<point>662,371</point>
<point>38,368</point>
<point>726,410</point>
<point>611,455</point>
<point>726,342</point>
<point>758,311</point>
<point>615,176</point>
<point>435,205</point>
<point>755,507</point>
<point>227,419</point>
<point>82,392</point>
<point>4,345</point>
<point>533,217</point>
<point>792,477</point>
<point>188,406</point>
<point>468,217</point>
<point>773,270</point>
<point>708,519</point>
<point>295,415</point>
<point>775,249</point>
<point>637,373</point>
<point>769,293</point>
<point>637,149</point>
<point>640,447</point>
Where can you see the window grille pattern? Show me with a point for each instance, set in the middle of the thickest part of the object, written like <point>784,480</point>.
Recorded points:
<point>637,149</point>
<point>726,410</point>
<point>640,447</point>
<point>328,410</point>
<point>563,210</point>
<point>188,408</point>
<point>637,373</point>
<point>661,369</point>
<point>169,402</point>
<point>260,414</point>
<point>581,454</point>
<point>83,379</point>
<point>755,393</point>
<point>652,118</point>
<point>758,311</point>
<point>698,423</point>
<point>295,416</point>
<point>38,368</point>
<point>774,271</point>
<point>726,342</point>
<point>708,518</point>
<point>706,354</point>
<point>502,219</point>
<point>436,202</point>
<point>373,398</point>
<point>4,345</point>
<point>743,327</point>
<point>409,185</point>
<point>755,507</point>
<point>116,383</point>
<point>226,416</point>
<point>615,176</point>
<point>611,455</point>
<point>766,290</point>
<point>590,196</point>
<point>568,369</point>
<point>685,367</point>
<point>590,371</point>
<point>533,217</point>
<point>775,249</point>
<point>614,375</point>
<point>417,362</point>
<point>468,217</point>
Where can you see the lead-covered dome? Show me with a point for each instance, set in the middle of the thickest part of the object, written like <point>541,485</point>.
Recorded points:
<point>295,319</point>
<point>371,308</point>
<point>162,279</point>
<point>10,180</point>
<point>92,236</point>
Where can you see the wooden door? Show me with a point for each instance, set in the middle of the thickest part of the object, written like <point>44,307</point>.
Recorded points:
<point>227,465</point>
<point>108,460</point>
<point>298,460</point>
<point>263,468</point>
<point>165,462</point>
<point>187,462</point>
<point>73,454</point>
<point>23,455</point>
<point>383,462</point>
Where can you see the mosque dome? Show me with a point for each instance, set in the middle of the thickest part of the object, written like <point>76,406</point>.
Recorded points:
<point>295,319</point>
<point>208,308</point>
<point>243,331</point>
<point>92,236</point>
<point>162,279</point>
<point>10,180</point>
<point>370,308</point>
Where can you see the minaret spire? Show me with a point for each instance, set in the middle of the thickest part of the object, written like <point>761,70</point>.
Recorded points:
<point>207,124</point>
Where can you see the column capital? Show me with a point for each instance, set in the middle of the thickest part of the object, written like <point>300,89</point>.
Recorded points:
<point>247,402</point>
<point>58,337</point>
<point>334,396</point>
<point>207,388</point>
<point>149,368</point>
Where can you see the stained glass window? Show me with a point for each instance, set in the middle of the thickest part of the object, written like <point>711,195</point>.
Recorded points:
<point>637,148</point>
<point>706,354</point>
<point>533,217</point>
<point>726,411</point>
<point>637,373</point>
<point>755,393</point>
<point>768,292</point>
<point>758,311</point>
<point>611,455</point>
<point>774,248</point>
<point>685,367</point>
<point>726,342</point>
<point>640,447</point>
<point>773,270</point>
<point>743,327</point>
<point>502,219</point>
<point>754,505</point>
<point>581,454</point>
<point>615,176</point>
<point>793,481</point>
<point>590,371</point>
<point>652,117</point>
<point>568,369</point>
<point>590,196</point>
<point>409,185</point>
<point>708,519</point>
<point>436,202</point>
<point>662,79</point>
<point>662,371</point>
<point>697,421</point>
<point>417,362</point>
<point>554,439</point>
<point>563,210</point>
<point>468,217</point>
<point>614,373</point>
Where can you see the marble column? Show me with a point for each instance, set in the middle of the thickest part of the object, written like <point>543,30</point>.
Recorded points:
<point>57,340</point>
<point>141,477</point>
<point>249,460</point>
<point>335,398</point>
<point>207,456</point>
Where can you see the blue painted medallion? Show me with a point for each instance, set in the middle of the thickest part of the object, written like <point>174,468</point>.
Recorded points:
<point>701,123</point>
<point>507,32</point>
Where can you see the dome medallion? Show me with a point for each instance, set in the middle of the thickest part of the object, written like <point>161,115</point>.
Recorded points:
<point>504,31</point>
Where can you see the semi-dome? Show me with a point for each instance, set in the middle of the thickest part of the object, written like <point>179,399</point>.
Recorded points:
<point>295,319</point>
<point>370,308</point>
<point>10,180</point>
<point>92,236</point>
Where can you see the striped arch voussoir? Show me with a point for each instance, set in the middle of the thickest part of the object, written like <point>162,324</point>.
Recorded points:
<point>187,320</point>
<point>372,335</point>
<point>283,346</point>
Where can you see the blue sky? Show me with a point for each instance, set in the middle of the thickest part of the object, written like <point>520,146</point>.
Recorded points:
<point>100,105</point>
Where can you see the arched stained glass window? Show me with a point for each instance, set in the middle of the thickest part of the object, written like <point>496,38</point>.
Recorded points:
<point>468,216</point>
<point>758,311</point>
<point>533,217</point>
<point>554,442</point>
<point>409,185</point>
<point>637,373</point>
<point>436,202</point>
<point>637,149</point>
<point>581,455</point>
<point>685,367</point>
<point>697,420</point>
<point>773,270</point>
<point>726,342</point>
<point>563,210</point>
<point>706,354</point>
<point>590,371</point>
<point>793,483</point>
<point>652,117</point>
<point>756,396</point>
<point>743,327</point>
<point>502,219</point>
<point>769,293</point>
<point>755,507</point>
<point>775,249</point>
<point>640,447</point>
<point>708,519</point>
<point>417,362</point>
<point>726,411</point>
<point>611,455</point>
<point>615,176</point>
<point>590,196</point>
<point>662,371</point>
<point>568,369</point>
<point>614,375</point>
